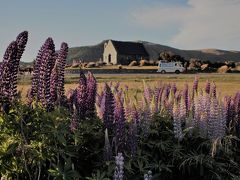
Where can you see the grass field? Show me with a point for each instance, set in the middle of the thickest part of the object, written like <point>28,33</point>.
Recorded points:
<point>122,66</point>
<point>227,84</point>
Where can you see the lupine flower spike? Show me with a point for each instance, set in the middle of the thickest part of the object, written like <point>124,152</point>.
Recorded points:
<point>148,176</point>
<point>61,61</point>
<point>119,173</point>
<point>91,94</point>
<point>108,109</point>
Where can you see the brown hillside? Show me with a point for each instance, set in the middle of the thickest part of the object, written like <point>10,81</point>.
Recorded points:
<point>94,53</point>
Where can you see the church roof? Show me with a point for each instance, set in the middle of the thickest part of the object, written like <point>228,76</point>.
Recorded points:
<point>129,48</point>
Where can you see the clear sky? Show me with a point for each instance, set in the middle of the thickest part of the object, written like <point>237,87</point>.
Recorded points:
<point>184,24</point>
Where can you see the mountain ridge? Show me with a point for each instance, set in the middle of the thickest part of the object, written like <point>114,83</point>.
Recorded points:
<point>94,53</point>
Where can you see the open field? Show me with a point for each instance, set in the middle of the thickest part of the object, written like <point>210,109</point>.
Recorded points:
<point>117,67</point>
<point>227,84</point>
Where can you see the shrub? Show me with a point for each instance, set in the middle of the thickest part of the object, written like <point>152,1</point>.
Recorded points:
<point>144,63</point>
<point>223,69</point>
<point>133,63</point>
<point>91,65</point>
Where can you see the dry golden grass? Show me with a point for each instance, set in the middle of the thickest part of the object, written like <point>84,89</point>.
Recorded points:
<point>227,84</point>
<point>124,67</point>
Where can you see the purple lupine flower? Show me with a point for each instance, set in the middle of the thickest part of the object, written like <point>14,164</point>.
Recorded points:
<point>107,148</point>
<point>40,89</point>
<point>157,95</point>
<point>70,99</point>
<point>182,111</point>
<point>127,104</point>
<point>6,88</point>
<point>193,107</point>
<point>61,61</point>
<point>81,96</point>
<point>91,94</point>
<point>118,173</point>
<point>197,104</point>
<point>203,110</point>
<point>102,107</point>
<point>221,123</point>
<point>108,110</point>
<point>167,92</point>
<point>174,88</point>
<point>195,86</point>
<point>42,77</point>
<point>232,113</point>
<point>132,137</point>
<point>203,125</point>
<point>213,90</point>
<point>47,95</point>
<point>40,67</point>
<point>160,97</point>
<point>35,77</point>
<point>147,92</point>
<point>236,101</point>
<point>54,83</point>
<point>237,112</point>
<point>21,40</point>
<point>178,96</point>
<point>146,118</point>
<point>207,101</point>
<point>213,118</point>
<point>186,97</point>
<point>177,126</point>
<point>133,131</point>
<point>201,114</point>
<point>120,120</point>
<point>207,87</point>
<point>82,79</point>
<point>229,108</point>
<point>44,94</point>
<point>148,176</point>
<point>135,114</point>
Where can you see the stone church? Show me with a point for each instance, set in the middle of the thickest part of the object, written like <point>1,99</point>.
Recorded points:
<point>120,52</point>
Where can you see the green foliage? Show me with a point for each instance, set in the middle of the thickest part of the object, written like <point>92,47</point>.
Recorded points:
<point>35,144</point>
<point>39,144</point>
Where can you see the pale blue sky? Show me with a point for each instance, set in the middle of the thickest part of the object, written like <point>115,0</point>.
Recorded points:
<point>185,24</point>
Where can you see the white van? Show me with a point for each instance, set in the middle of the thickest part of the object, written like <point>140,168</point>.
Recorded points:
<point>170,67</point>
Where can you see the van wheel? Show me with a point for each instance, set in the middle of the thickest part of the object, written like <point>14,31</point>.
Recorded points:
<point>177,71</point>
<point>163,71</point>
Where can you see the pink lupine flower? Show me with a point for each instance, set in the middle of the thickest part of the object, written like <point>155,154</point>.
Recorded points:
<point>177,125</point>
<point>91,94</point>
<point>207,87</point>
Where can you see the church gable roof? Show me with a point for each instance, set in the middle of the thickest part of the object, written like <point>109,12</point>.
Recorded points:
<point>129,48</point>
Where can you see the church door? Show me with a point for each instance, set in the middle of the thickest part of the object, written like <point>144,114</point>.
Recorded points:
<point>109,58</point>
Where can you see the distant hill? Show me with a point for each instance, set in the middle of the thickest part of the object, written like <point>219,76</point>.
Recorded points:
<point>86,53</point>
<point>94,53</point>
